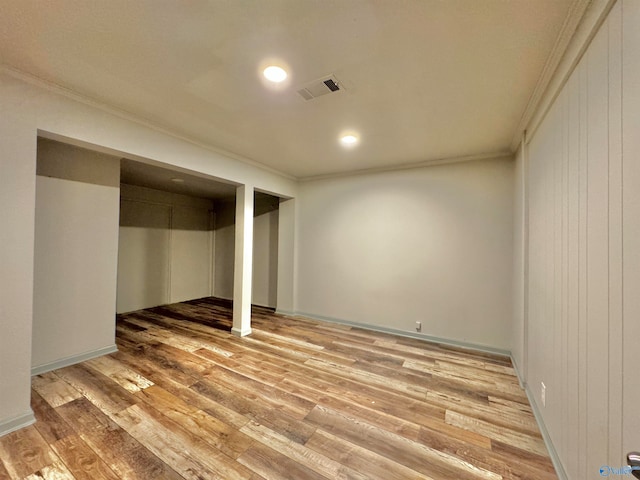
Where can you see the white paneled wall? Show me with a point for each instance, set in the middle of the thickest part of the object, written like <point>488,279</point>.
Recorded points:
<point>627,350</point>
<point>576,171</point>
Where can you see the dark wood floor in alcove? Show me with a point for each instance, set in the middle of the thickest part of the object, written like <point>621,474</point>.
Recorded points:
<point>298,399</point>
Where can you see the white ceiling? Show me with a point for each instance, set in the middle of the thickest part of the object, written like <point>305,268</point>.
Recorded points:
<point>424,79</point>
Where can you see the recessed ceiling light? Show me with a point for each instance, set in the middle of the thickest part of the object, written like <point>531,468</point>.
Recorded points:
<point>177,180</point>
<point>275,74</point>
<point>349,140</point>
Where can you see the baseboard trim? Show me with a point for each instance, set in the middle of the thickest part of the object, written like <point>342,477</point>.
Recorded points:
<point>65,362</point>
<point>402,333</point>
<point>260,305</point>
<point>16,423</point>
<point>285,313</point>
<point>240,333</point>
<point>516,367</point>
<point>555,458</point>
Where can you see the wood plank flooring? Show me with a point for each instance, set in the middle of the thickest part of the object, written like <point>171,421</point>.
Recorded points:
<point>298,399</point>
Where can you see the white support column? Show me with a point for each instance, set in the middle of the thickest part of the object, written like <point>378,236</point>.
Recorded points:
<point>286,257</point>
<point>243,262</point>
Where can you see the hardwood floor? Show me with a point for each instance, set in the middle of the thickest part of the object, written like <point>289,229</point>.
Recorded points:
<point>298,399</point>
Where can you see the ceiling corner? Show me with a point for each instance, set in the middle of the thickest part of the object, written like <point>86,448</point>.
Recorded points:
<point>571,22</point>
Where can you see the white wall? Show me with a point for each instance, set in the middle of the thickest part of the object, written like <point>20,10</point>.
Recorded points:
<point>165,253</point>
<point>224,242</point>
<point>17,211</point>
<point>191,252</point>
<point>76,245</point>
<point>286,286</point>
<point>28,110</point>
<point>432,244</point>
<point>582,320</point>
<point>264,278</point>
<point>76,252</point>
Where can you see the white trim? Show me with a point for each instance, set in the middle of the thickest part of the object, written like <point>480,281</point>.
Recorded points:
<point>69,93</point>
<point>260,305</point>
<point>409,166</point>
<point>517,369</point>
<point>16,423</point>
<point>595,14</point>
<point>241,333</point>
<point>553,454</point>
<point>403,333</point>
<point>65,362</point>
<point>569,27</point>
<point>525,257</point>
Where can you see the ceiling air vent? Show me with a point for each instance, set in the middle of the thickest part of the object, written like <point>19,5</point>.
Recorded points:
<point>320,87</point>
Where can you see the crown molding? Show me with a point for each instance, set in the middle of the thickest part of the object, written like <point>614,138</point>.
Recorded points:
<point>126,115</point>
<point>502,155</point>
<point>581,25</point>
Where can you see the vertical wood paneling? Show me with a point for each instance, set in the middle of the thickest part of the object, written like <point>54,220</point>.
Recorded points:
<point>537,263</point>
<point>582,275</point>
<point>597,252</point>
<point>584,254</point>
<point>615,233</point>
<point>564,251</point>
<point>554,400</point>
<point>631,220</point>
<point>573,212</point>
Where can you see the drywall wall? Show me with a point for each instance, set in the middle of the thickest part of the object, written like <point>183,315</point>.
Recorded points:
<point>30,109</point>
<point>191,251</point>
<point>582,297</point>
<point>68,162</point>
<point>165,253</point>
<point>264,278</point>
<point>17,210</point>
<point>143,255</point>
<point>76,245</point>
<point>224,248</point>
<point>285,296</point>
<point>432,244</point>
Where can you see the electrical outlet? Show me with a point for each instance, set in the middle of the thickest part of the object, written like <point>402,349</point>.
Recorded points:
<point>543,394</point>
<point>418,326</point>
